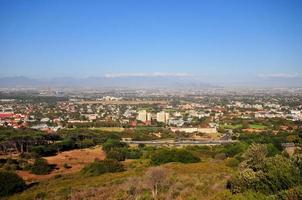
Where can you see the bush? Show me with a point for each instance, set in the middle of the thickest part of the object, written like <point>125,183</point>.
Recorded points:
<point>235,149</point>
<point>116,154</point>
<point>133,153</point>
<point>172,155</point>
<point>281,173</point>
<point>47,150</point>
<point>40,167</point>
<point>67,144</point>
<point>276,174</point>
<point>85,143</point>
<point>103,166</point>
<point>111,144</point>
<point>232,162</point>
<point>10,183</point>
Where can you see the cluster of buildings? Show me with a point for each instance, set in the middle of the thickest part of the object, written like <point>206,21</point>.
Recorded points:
<point>263,110</point>
<point>198,114</point>
<point>147,117</point>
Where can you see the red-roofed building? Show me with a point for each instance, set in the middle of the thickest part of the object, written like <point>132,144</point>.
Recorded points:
<point>6,115</point>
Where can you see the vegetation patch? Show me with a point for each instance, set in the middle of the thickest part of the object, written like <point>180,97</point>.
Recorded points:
<point>102,166</point>
<point>10,183</point>
<point>162,156</point>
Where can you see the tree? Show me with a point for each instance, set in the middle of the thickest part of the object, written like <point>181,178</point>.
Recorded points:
<point>111,144</point>
<point>162,156</point>
<point>255,156</point>
<point>102,166</point>
<point>40,167</point>
<point>10,183</point>
<point>156,177</point>
<point>116,154</point>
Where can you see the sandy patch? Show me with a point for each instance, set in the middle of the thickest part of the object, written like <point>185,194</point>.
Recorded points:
<point>77,159</point>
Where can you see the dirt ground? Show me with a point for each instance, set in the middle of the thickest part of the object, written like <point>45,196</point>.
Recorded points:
<point>77,159</point>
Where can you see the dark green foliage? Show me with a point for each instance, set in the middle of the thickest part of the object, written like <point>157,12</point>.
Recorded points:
<point>133,153</point>
<point>10,183</point>
<point>111,144</point>
<point>46,150</point>
<point>103,166</point>
<point>264,138</point>
<point>67,144</point>
<point>22,141</point>
<point>41,167</point>
<point>272,150</point>
<point>117,154</point>
<point>274,175</point>
<point>235,149</point>
<point>162,156</point>
<point>85,143</point>
<point>206,150</point>
<point>280,173</point>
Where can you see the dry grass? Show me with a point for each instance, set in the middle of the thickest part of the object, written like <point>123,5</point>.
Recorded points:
<point>77,159</point>
<point>203,180</point>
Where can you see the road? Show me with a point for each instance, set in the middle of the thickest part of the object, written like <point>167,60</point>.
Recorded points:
<point>181,142</point>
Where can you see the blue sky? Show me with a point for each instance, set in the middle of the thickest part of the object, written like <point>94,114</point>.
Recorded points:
<point>243,40</point>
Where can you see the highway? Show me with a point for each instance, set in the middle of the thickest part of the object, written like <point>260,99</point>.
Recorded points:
<point>181,142</point>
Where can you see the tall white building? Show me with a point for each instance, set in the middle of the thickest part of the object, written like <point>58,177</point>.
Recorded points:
<point>142,115</point>
<point>162,117</point>
<point>149,117</point>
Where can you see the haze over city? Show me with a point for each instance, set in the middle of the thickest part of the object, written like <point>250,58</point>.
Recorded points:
<point>222,43</point>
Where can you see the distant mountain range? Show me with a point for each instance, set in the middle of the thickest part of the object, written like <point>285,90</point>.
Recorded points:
<point>99,82</point>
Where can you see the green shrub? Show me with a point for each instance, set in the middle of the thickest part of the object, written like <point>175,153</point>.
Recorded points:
<point>66,144</point>
<point>116,154</point>
<point>102,166</point>
<point>162,156</point>
<point>235,149</point>
<point>133,153</point>
<point>281,173</point>
<point>85,143</point>
<point>111,144</point>
<point>276,174</point>
<point>40,167</point>
<point>232,162</point>
<point>10,183</point>
<point>46,150</point>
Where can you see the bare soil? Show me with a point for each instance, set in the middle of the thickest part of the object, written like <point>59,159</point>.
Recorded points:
<point>76,159</point>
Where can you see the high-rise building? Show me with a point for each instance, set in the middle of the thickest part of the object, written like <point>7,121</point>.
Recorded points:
<point>142,115</point>
<point>149,117</point>
<point>162,117</point>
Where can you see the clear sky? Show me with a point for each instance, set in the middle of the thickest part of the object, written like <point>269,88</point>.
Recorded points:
<point>224,40</point>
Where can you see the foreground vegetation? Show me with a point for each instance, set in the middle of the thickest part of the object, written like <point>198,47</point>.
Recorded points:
<point>256,167</point>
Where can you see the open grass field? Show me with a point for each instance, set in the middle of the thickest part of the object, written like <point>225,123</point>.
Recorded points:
<point>204,180</point>
<point>232,126</point>
<point>258,126</point>
<point>252,126</point>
